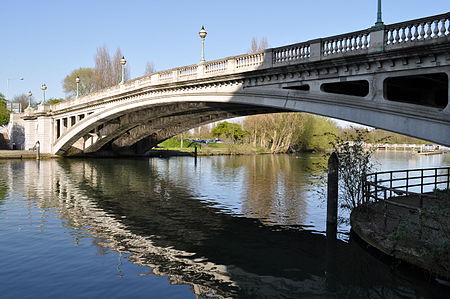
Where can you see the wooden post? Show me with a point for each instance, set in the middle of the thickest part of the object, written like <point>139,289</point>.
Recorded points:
<point>38,150</point>
<point>195,155</point>
<point>332,211</point>
<point>332,194</point>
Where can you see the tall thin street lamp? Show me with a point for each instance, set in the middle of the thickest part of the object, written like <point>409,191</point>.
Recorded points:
<point>123,62</point>
<point>379,22</point>
<point>202,33</point>
<point>7,85</point>
<point>77,80</point>
<point>44,88</point>
<point>29,99</point>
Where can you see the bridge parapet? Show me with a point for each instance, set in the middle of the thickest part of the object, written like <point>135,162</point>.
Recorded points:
<point>411,33</point>
<point>351,43</point>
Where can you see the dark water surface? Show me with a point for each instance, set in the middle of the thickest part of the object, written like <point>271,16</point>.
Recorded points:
<point>229,227</point>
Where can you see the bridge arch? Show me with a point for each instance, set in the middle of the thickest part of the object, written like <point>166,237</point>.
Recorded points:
<point>158,118</point>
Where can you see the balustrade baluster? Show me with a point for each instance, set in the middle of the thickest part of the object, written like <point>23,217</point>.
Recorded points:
<point>391,37</point>
<point>366,41</point>
<point>448,30</point>
<point>442,27</point>
<point>359,43</point>
<point>429,32</point>
<point>436,29</point>
<point>422,31</point>
<point>403,37</point>
<point>397,35</point>
<point>416,31</point>
<point>409,35</point>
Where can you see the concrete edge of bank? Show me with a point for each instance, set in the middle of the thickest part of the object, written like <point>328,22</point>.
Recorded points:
<point>363,224</point>
<point>20,154</point>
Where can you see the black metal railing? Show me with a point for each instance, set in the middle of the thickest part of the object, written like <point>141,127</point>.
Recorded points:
<point>419,184</point>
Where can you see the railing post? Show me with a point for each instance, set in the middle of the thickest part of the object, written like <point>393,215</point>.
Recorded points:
<point>315,48</point>
<point>448,178</point>
<point>377,40</point>
<point>201,70</point>
<point>231,65</point>
<point>268,59</point>
<point>407,182</point>
<point>421,181</point>
<point>390,185</point>
<point>332,193</point>
<point>175,75</point>
<point>376,187</point>
<point>435,178</point>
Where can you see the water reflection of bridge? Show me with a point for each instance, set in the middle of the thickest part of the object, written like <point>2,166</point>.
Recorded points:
<point>130,207</point>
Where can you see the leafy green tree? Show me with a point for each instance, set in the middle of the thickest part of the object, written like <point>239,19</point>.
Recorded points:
<point>4,114</point>
<point>315,134</point>
<point>54,101</point>
<point>230,131</point>
<point>86,85</point>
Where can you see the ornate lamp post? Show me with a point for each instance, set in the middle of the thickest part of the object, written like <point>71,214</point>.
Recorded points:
<point>7,87</point>
<point>44,88</point>
<point>202,33</point>
<point>77,80</point>
<point>29,99</point>
<point>379,22</point>
<point>123,62</point>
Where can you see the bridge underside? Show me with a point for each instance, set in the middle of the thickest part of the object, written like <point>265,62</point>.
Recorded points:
<point>135,132</point>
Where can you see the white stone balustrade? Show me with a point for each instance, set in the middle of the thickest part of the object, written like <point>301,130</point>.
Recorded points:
<point>188,72</point>
<point>420,30</point>
<point>250,60</point>
<point>344,44</point>
<point>425,30</point>
<point>217,66</point>
<point>295,52</point>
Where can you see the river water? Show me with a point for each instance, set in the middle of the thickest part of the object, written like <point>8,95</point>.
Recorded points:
<point>224,227</point>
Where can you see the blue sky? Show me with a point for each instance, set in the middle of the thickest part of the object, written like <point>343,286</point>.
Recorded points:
<point>43,41</point>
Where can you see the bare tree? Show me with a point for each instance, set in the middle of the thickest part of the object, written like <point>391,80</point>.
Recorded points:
<point>117,68</point>
<point>149,68</point>
<point>258,46</point>
<point>254,45</point>
<point>22,100</point>
<point>103,68</point>
<point>108,72</point>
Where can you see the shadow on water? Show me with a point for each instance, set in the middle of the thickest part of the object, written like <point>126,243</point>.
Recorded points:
<point>129,206</point>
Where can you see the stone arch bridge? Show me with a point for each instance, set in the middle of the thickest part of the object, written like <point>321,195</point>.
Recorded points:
<point>393,77</point>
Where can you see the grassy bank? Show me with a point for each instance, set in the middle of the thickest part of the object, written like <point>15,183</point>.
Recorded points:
<point>176,147</point>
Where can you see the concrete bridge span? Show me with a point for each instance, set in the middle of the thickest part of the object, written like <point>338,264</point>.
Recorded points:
<point>394,77</point>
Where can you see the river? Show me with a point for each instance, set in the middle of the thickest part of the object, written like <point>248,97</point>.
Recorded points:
<point>224,227</point>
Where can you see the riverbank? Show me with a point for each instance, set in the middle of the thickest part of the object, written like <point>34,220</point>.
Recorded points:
<point>19,154</point>
<point>417,236</point>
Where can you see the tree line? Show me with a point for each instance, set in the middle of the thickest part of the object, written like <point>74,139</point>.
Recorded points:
<point>291,132</point>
